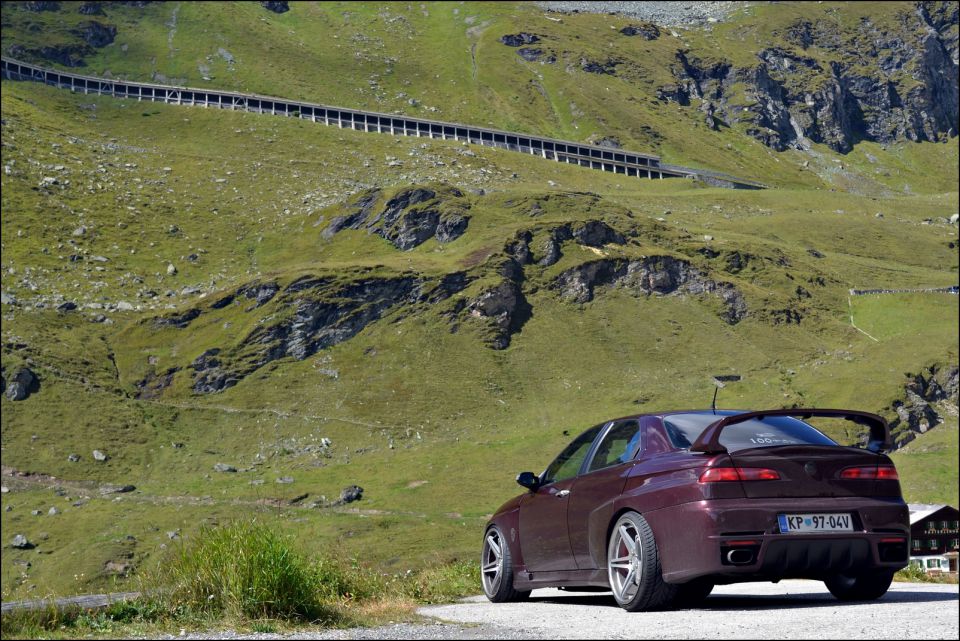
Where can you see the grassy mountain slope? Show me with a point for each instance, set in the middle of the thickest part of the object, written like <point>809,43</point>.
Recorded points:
<point>419,409</point>
<point>382,57</point>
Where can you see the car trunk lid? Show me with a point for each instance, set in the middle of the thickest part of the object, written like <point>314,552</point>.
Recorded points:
<point>808,471</point>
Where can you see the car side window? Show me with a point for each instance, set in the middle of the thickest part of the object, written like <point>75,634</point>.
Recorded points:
<point>567,465</point>
<point>619,445</point>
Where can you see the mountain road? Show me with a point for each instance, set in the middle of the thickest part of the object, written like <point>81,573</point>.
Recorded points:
<point>791,609</point>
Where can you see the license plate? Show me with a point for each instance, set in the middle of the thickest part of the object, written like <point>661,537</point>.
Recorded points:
<point>791,523</point>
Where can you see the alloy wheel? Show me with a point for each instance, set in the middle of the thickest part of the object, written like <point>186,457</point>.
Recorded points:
<point>625,562</point>
<point>491,562</point>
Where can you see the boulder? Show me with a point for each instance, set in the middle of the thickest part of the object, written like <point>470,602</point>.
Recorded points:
<point>117,489</point>
<point>20,542</point>
<point>350,494</point>
<point>276,6</point>
<point>99,456</point>
<point>122,568</point>
<point>223,467</point>
<point>21,384</point>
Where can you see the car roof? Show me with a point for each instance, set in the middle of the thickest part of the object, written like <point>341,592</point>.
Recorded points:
<point>719,413</point>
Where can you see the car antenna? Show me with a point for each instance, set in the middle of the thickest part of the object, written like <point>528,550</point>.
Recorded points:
<point>720,380</point>
<point>713,405</point>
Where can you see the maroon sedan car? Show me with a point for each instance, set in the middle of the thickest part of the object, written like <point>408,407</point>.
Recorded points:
<point>659,508</point>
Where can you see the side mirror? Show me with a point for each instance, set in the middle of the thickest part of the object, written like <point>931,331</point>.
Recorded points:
<point>528,480</point>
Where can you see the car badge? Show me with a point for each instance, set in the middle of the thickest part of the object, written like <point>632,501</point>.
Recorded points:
<point>810,468</point>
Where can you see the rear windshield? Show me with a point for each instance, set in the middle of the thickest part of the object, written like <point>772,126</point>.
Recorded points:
<point>683,430</point>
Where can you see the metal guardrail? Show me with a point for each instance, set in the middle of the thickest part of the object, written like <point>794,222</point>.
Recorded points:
<point>952,289</point>
<point>619,161</point>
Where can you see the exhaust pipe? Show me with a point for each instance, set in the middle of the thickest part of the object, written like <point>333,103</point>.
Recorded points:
<point>740,557</point>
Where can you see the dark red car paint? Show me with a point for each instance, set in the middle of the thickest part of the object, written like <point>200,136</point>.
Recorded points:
<point>560,540</point>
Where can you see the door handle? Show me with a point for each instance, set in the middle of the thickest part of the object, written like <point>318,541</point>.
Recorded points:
<point>562,494</point>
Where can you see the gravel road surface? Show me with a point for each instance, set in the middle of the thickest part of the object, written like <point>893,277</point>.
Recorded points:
<point>787,610</point>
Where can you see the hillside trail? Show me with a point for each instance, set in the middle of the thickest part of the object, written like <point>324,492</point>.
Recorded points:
<point>85,490</point>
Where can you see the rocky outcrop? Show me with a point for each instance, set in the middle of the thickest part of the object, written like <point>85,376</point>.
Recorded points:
<point>927,397</point>
<point>179,321</point>
<point>519,39</point>
<point>609,142</point>
<point>214,379</point>
<point>646,30</point>
<point>153,384</point>
<point>336,316</point>
<point>890,86</point>
<point>315,313</point>
<point>410,218</point>
<point>95,34</point>
<point>261,293</point>
<point>591,233</point>
<point>656,275</point>
<point>531,54</point>
<point>607,67</point>
<point>68,55</point>
<point>91,8</point>
<point>505,309</point>
<point>40,6</point>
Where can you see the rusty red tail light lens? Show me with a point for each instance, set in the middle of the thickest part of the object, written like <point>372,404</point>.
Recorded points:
<point>871,472</point>
<point>721,474</point>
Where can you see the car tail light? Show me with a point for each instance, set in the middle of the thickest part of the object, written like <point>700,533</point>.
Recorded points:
<point>887,473</point>
<point>758,474</point>
<point>720,474</point>
<point>871,472</point>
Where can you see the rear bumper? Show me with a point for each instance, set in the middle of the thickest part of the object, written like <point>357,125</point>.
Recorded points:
<point>694,539</point>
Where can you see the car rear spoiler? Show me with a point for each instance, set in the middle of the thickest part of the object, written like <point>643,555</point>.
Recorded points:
<point>709,439</point>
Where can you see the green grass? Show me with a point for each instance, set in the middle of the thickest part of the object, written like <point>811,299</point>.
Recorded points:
<point>432,423</point>
<point>249,573</point>
<point>246,570</point>
<point>380,56</point>
<point>928,466</point>
<point>914,574</point>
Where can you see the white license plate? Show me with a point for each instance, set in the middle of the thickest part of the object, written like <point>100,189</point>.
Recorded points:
<point>791,523</point>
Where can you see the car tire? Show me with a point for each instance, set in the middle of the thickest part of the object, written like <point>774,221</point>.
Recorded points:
<point>496,569</point>
<point>633,566</point>
<point>692,594</point>
<point>860,587</point>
